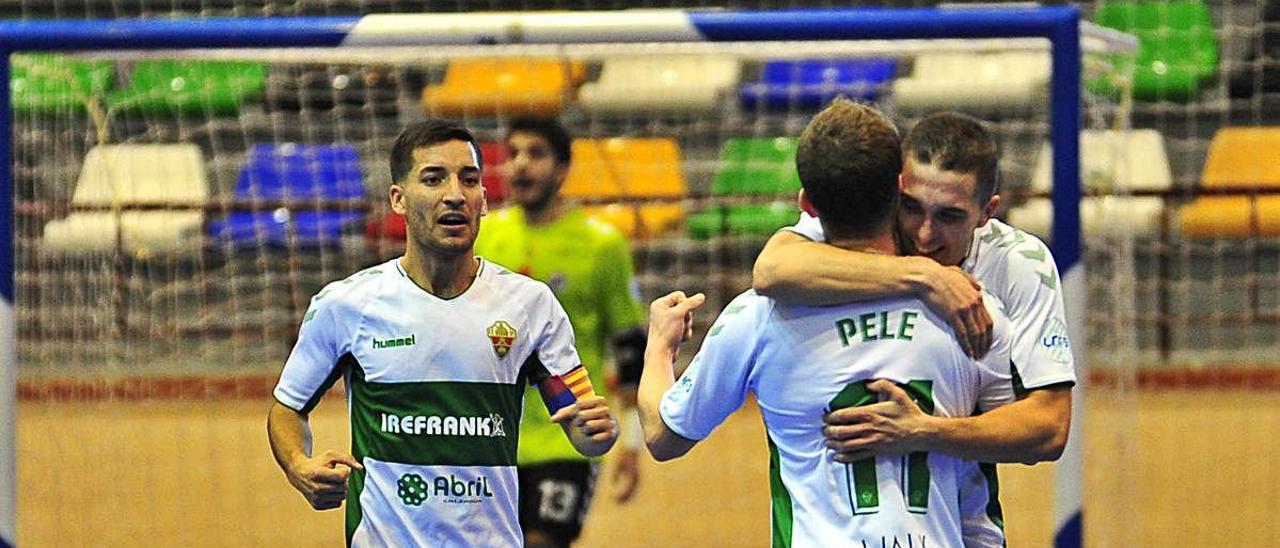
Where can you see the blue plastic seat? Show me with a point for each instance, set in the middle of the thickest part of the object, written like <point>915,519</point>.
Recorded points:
<point>812,84</point>
<point>291,173</point>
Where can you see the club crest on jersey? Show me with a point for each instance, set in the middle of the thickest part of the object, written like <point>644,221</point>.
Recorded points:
<point>503,336</point>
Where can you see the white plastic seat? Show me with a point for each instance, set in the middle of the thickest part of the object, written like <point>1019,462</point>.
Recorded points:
<point>680,83</point>
<point>954,80</point>
<point>1111,160</point>
<point>157,175</point>
<point>1138,216</point>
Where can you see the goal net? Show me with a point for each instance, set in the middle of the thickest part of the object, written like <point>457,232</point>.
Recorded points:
<point>174,210</point>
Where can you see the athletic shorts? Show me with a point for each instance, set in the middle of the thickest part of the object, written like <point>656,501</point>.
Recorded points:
<point>554,498</point>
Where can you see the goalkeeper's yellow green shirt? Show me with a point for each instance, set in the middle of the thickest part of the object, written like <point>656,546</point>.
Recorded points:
<point>587,263</point>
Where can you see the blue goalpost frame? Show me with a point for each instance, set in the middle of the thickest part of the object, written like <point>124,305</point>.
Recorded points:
<point>1059,24</point>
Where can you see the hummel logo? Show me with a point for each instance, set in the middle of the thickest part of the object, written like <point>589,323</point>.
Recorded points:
<point>393,343</point>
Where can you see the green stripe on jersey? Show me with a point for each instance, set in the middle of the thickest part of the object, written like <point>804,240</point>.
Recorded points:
<point>781,499</point>
<point>435,423</point>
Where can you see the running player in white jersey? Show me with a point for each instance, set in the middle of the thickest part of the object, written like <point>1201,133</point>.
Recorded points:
<point>802,362</point>
<point>949,185</point>
<point>435,348</point>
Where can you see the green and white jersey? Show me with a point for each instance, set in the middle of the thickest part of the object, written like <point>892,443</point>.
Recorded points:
<point>1018,268</point>
<point>588,265</point>
<point>802,362</point>
<point>434,391</point>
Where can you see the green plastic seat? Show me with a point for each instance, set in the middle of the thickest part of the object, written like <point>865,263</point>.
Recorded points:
<point>48,83</point>
<point>760,219</point>
<point>705,224</point>
<point>189,87</point>
<point>757,167</point>
<point>751,167</point>
<point>1177,51</point>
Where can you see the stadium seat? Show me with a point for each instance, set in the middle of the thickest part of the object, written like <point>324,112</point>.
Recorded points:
<point>1240,158</point>
<point>625,167</point>
<point>1243,158</point>
<point>756,168</point>
<point>490,87</point>
<point>495,154</point>
<point>1230,217</point>
<point>49,83</point>
<point>677,83</point>
<point>390,226</point>
<point>813,83</point>
<point>641,222</point>
<point>1131,160</point>
<point>299,173</point>
<point>1015,81</point>
<point>629,170</point>
<point>1177,51</point>
<point>149,176</point>
<point>1138,216</point>
<point>189,87</point>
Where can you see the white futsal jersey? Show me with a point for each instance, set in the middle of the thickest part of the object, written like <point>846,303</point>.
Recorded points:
<point>802,362</point>
<point>1018,268</point>
<point>434,389</point>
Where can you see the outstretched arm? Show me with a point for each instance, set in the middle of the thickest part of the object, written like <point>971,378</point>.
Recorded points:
<point>1030,430</point>
<point>670,323</point>
<point>322,480</point>
<point>792,268</point>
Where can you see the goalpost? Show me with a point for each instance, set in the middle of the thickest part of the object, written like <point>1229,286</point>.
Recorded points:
<point>584,37</point>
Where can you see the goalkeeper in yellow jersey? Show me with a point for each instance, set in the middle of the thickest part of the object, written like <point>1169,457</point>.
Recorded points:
<point>588,265</point>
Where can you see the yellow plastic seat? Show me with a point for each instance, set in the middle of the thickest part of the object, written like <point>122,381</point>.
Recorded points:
<point>625,168</point>
<point>490,87</point>
<point>1230,217</point>
<point>643,221</point>
<point>1243,158</point>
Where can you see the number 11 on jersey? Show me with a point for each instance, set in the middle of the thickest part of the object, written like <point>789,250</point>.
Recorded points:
<point>861,481</point>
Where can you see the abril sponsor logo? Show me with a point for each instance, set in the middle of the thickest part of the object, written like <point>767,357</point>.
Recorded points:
<point>436,425</point>
<point>1054,340</point>
<point>395,343</point>
<point>413,490</point>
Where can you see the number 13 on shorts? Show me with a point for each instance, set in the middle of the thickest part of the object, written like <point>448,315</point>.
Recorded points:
<point>862,486</point>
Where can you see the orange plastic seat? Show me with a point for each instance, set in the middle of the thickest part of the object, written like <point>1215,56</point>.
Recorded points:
<point>625,168</point>
<point>1243,158</point>
<point>490,87</point>
<point>1231,217</point>
<point>641,222</point>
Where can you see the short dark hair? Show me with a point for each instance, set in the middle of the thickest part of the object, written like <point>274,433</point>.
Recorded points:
<point>553,131</point>
<point>849,158</point>
<point>423,134</point>
<point>951,141</point>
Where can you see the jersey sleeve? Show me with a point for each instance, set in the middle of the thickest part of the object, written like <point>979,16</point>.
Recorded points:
<point>809,227</point>
<point>554,366</point>
<point>995,370</point>
<point>313,364</point>
<point>717,380</point>
<point>1041,350</point>
<point>619,290</point>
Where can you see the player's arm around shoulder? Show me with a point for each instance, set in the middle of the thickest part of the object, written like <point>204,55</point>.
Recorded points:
<point>793,268</point>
